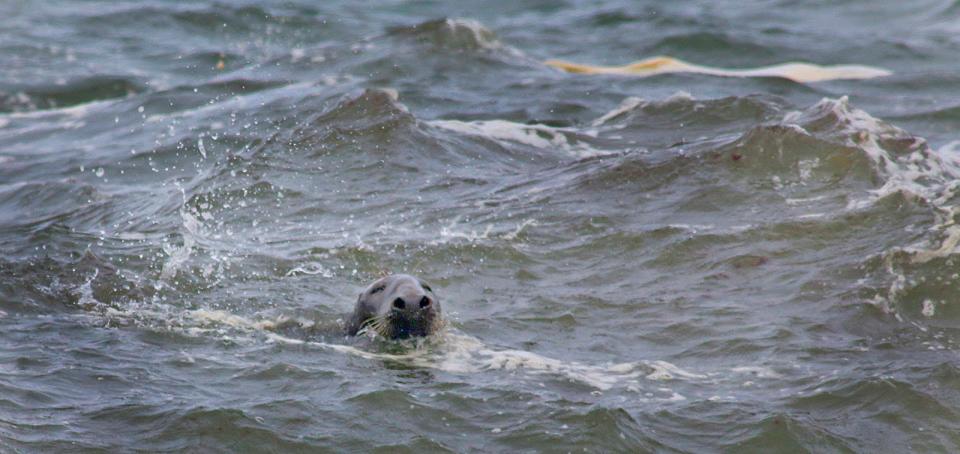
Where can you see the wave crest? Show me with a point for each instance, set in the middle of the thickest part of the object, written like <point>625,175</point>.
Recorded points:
<point>452,33</point>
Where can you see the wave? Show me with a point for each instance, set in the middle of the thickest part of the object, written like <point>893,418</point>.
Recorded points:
<point>71,93</point>
<point>536,135</point>
<point>813,157</point>
<point>454,34</point>
<point>830,158</point>
<point>682,109</point>
<point>43,283</point>
<point>757,146</point>
<point>680,120</point>
<point>31,202</point>
<point>192,19</point>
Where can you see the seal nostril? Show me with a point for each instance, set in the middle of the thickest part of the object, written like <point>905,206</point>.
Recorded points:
<point>424,302</point>
<point>398,303</point>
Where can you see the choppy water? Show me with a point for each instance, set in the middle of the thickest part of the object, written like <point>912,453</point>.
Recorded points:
<point>192,195</point>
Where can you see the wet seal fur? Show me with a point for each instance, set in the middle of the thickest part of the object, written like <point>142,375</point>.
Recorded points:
<point>396,307</point>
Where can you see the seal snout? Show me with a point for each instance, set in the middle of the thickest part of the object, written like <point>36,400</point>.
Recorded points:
<point>423,302</point>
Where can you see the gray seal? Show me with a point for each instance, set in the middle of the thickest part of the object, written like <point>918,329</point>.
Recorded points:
<point>396,307</point>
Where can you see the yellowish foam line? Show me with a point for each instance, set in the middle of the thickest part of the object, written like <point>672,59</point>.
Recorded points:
<point>797,72</point>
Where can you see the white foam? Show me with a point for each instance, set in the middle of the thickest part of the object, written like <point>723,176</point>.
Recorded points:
<point>947,247</point>
<point>482,36</point>
<point>447,351</point>
<point>461,354</point>
<point>801,201</point>
<point>451,231</point>
<point>513,235</point>
<point>297,54</point>
<point>457,231</point>
<point>458,353</point>
<point>632,103</point>
<point>628,104</point>
<point>757,371</point>
<point>75,112</point>
<point>477,29</point>
<point>206,316</point>
<point>925,174</point>
<point>663,370</point>
<point>932,176</point>
<point>311,268</point>
<point>537,136</point>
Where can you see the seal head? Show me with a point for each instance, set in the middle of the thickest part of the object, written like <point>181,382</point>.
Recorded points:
<point>396,307</point>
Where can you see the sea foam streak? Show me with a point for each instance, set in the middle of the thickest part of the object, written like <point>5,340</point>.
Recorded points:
<point>462,354</point>
<point>448,351</point>
<point>795,71</point>
<point>459,353</point>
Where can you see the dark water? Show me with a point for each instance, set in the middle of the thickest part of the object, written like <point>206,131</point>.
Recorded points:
<point>192,194</point>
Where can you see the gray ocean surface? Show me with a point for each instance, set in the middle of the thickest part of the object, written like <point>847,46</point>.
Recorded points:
<point>192,194</point>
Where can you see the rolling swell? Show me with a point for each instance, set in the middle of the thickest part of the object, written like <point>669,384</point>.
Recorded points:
<point>677,263</point>
<point>232,194</point>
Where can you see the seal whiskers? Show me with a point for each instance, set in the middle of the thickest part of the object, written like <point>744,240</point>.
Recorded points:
<point>379,324</point>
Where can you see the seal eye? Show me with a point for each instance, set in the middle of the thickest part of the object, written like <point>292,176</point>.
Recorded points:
<point>424,302</point>
<point>426,287</point>
<point>377,289</point>
<point>399,303</point>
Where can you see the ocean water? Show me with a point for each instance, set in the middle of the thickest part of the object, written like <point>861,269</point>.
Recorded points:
<point>192,194</point>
